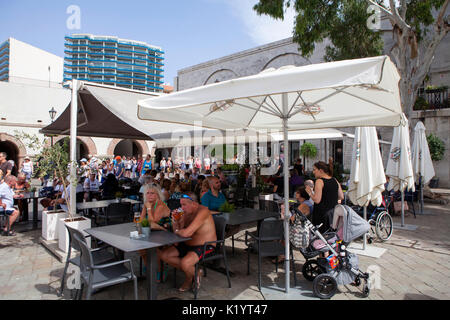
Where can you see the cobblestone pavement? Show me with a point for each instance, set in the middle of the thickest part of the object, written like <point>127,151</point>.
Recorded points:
<point>416,265</point>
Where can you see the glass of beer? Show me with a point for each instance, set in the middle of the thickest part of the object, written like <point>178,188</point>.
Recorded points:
<point>137,217</point>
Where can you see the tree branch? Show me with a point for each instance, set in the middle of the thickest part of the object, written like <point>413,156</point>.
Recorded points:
<point>440,18</point>
<point>398,19</point>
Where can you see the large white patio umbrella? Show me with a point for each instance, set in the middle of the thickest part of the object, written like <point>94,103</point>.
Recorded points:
<point>399,167</point>
<point>367,177</point>
<point>421,159</point>
<point>361,92</point>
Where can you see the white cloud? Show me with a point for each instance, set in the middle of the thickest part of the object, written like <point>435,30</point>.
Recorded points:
<point>262,29</point>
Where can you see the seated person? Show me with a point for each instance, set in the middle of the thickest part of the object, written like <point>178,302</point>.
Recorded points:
<point>7,197</point>
<point>213,198</point>
<point>196,223</point>
<point>91,187</point>
<point>109,187</point>
<point>22,186</point>
<point>158,215</point>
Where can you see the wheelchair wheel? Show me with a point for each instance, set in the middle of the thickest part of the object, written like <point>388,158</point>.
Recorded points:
<point>324,286</point>
<point>384,226</point>
<point>311,269</point>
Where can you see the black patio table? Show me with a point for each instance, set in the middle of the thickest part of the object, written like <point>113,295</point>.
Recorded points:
<point>247,215</point>
<point>35,197</point>
<point>118,236</point>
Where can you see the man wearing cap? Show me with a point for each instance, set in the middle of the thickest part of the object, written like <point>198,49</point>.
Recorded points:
<point>27,167</point>
<point>196,223</point>
<point>91,187</point>
<point>119,168</point>
<point>84,169</point>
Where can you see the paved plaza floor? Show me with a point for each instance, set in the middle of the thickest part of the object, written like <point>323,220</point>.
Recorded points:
<point>416,265</point>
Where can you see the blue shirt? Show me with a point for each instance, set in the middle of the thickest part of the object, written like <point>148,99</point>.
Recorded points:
<point>212,202</point>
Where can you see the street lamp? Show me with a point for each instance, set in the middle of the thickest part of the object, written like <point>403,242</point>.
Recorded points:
<point>52,113</point>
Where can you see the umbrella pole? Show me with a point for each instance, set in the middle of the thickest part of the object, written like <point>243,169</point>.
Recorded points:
<point>403,208</point>
<point>286,192</point>
<point>365,234</point>
<point>421,195</point>
<point>73,147</point>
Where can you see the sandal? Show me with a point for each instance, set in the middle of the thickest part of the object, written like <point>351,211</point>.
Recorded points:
<point>10,233</point>
<point>184,289</point>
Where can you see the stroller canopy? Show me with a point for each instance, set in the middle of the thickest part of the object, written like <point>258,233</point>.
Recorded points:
<point>353,225</point>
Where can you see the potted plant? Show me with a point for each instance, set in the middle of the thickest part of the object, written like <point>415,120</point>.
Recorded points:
<point>145,226</point>
<point>437,150</point>
<point>308,150</point>
<point>227,207</point>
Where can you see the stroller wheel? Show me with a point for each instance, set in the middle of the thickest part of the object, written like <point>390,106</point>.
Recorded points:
<point>311,270</point>
<point>366,290</point>
<point>324,286</point>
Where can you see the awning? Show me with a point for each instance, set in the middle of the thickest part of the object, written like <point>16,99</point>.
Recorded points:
<point>109,112</point>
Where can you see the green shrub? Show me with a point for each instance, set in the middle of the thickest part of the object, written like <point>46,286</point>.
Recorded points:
<point>226,207</point>
<point>436,146</point>
<point>308,150</point>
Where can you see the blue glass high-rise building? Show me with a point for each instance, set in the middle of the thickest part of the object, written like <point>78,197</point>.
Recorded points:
<point>114,61</point>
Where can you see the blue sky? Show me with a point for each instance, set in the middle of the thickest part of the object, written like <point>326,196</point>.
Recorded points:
<point>190,32</point>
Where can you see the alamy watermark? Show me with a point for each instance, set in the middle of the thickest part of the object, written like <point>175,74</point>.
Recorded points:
<point>73,22</point>
<point>374,21</point>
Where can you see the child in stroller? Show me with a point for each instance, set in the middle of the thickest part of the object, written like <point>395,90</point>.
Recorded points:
<point>340,267</point>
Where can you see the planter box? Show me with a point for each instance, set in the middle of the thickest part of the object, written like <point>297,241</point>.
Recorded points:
<point>50,223</point>
<point>63,241</point>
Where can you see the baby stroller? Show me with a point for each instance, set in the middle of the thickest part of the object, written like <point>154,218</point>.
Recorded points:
<point>341,266</point>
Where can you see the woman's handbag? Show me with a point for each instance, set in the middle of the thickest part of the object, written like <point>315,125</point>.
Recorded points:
<point>298,234</point>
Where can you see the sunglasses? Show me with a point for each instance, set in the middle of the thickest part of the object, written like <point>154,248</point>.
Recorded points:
<point>185,196</point>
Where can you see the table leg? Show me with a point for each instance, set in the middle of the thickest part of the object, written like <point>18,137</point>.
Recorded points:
<point>35,213</point>
<point>152,268</point>
<point>25,210</point>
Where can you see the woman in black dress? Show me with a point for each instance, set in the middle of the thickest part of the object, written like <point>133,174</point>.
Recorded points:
<point>327,192</point>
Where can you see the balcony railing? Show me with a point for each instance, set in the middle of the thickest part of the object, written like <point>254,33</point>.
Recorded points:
<point>432,99</point>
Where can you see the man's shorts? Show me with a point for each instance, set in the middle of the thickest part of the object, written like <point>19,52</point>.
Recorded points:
<point>7,212</point>
<point>184,249</point>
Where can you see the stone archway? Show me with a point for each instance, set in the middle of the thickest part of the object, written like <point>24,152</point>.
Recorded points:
<point>141,144</point>
<point>88,143</point>
<point>221,75</point>
<point>16,146</point>
<point>288,58</point>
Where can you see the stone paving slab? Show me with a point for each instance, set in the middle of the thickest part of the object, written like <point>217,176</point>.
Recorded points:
<point>416,265</point>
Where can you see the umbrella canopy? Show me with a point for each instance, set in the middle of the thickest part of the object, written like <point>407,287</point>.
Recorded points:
<point>399,167</point>
<point>337,94</point>
<point>421,158</point>
<point>367,177</point>
<point>350,93</point>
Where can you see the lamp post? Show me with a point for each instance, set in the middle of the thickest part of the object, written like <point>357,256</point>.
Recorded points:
<point>52,113</point>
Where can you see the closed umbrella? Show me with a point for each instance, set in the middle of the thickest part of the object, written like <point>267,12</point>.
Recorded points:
<point>337,94</point>
<point>367,176</point>
<point>399,167</point>
<point>421,159</point>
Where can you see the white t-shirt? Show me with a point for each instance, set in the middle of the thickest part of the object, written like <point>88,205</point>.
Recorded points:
<point>7,196</point>
<point>91,185</point>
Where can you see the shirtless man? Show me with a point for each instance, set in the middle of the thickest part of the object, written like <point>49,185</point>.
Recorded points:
<point>196,223</point>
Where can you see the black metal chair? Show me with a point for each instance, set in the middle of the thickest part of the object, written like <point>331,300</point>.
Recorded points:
<point>100,255</point>
<point>220,253</point>
<point>251,194</point>
<point>117,213</point>
<point>239,198</point>
<point>266,244</point>
<point>268,205</point>
<point>4,220</point>
<point>97,276</point>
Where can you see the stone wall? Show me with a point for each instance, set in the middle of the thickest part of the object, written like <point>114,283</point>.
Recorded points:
<point>438,123</point>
